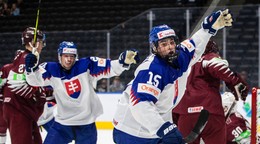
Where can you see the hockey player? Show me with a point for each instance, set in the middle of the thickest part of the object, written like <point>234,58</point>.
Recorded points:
<point>73,82</point>
<point>202,92</point>
<point>144,112</point>
<point>3,125</point>
<point>238,128</point>
<point>23,104</point>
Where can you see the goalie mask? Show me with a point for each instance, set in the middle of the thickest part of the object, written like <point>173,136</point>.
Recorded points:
<point>160,33</point>
<point>67,48</point>
<point>28,36</point>
<point>228,103</point>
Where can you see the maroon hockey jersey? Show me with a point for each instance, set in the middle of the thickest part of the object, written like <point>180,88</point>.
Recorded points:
<point>31,107</point>
<point>4,74</point>
<point>236,124</point>
<point>202,90</point>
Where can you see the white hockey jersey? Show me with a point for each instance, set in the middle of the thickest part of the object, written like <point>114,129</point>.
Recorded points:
<point>149,98</point>
<point>48,113</point>
<point>77,102</point>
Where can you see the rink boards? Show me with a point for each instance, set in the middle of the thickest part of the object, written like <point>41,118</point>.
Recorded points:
<point>110,100</point>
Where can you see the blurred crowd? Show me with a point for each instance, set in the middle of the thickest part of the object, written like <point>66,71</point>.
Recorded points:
<point>116,85</point>
<point>10,7</point>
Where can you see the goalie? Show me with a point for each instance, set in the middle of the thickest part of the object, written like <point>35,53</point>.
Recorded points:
<point>238,128</point>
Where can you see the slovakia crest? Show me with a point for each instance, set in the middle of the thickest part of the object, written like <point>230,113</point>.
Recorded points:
<point>73,88</point>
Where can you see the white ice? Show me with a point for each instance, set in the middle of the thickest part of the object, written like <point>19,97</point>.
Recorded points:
<point>104,137</point>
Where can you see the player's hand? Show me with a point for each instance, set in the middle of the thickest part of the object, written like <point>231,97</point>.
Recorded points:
<point>242,91</point>
<point>217,20</point>
<point>129,57</point>
<point>169,134</point>
<point>31,62</point>
<point>49,94</point>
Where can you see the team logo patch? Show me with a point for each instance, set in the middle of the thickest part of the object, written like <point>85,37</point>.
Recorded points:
<point>187,44</point>
<point>101,62</point>
<point>195,109</point>
<point>73,88</point>
<point>149,89</point>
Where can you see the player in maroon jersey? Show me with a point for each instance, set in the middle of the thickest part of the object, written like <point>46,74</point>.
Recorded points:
<point>3,125</point>
<point>238,128</point>
<point>202,92</point>
<point>23,104</point>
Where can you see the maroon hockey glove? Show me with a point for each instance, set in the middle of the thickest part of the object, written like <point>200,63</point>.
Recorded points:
<point>240,89</point>
<point>49,94</point>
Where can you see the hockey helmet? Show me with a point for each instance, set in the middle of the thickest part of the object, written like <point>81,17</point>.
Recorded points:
<point>28,36</point>
<point>211,47</point>
<point>228,102</point>
<point>67,48</point>
<point>161,32</point>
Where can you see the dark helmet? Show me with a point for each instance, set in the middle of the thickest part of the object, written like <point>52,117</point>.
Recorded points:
<point>28,36</point>
<point>211,47</point>
<point>161,32</point>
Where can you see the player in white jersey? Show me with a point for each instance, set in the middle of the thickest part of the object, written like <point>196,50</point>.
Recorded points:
<point>144,112</point>
<point>73,81</point>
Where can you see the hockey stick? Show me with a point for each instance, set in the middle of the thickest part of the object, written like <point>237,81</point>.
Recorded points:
<point>199,126</point>
<point>36,23</point>
<point>34,46</point>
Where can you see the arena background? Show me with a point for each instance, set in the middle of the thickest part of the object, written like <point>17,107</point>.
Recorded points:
<point>105,28</point>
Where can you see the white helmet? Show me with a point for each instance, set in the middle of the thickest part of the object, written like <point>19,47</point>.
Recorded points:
<point>228,99</point>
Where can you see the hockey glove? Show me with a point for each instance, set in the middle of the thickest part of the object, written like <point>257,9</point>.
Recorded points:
<point>49,94</point>
<point>240,89</point>
<point>31,62</point>
<point>169,134</point>
<point>129,57</point>
<point>217,20</point>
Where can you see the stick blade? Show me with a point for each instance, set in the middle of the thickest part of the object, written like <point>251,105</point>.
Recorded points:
<point>199,126</point>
